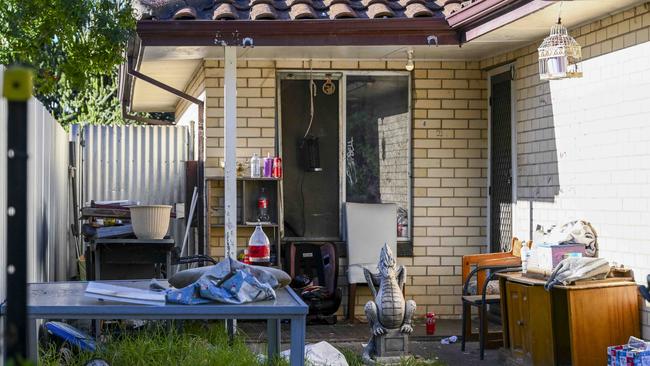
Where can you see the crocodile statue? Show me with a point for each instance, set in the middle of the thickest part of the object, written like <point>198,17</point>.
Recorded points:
<point>389,311</point>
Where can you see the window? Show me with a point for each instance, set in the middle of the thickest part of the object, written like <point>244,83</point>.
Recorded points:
<point>377,149</point>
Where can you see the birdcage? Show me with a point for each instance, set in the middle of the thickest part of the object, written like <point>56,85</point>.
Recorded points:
<point>559,55</point>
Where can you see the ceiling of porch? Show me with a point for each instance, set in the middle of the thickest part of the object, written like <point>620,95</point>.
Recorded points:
<point>175,66</point>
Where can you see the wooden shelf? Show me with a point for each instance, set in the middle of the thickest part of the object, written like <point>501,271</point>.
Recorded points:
<point>245,225</point>
<point>244,178</point>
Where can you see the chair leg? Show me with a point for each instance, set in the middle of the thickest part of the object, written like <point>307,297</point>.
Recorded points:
<point>465,318</point>
<point>352,294</point>
<point>482,329</point>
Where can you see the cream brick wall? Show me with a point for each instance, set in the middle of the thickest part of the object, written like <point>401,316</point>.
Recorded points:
<point>584,144</point>
<point>449,161</point>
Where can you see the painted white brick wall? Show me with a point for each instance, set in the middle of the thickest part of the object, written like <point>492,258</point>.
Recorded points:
<point>597,134</point>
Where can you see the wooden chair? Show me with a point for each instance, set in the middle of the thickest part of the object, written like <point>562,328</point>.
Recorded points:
<point>485,266</point>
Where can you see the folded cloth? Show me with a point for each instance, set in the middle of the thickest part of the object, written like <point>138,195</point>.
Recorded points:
<point>573,269</point>
<point>273,276</point>
<point>238,288</point>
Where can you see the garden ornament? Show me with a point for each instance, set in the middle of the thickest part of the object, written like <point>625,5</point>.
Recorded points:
<point>389,315</point>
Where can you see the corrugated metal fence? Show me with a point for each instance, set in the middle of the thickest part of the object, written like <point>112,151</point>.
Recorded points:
<point>140,163</point>
<point>50,253</point>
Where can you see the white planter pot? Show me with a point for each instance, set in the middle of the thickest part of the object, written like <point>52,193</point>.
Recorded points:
<point>150,221</point>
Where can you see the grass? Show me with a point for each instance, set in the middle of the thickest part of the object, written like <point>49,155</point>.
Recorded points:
<point>196,345</point>
<point>354,359</point>
<point>159,345</point>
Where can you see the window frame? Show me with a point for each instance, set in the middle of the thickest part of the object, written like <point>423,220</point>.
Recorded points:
<point>341,76</point>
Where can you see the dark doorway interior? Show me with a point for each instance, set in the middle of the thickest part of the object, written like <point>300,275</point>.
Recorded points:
<point>500,162</point>
<point>311,199</point>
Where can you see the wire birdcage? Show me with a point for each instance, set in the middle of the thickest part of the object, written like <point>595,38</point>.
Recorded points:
<point>559,55</point>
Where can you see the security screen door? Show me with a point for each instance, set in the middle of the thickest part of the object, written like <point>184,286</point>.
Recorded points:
<point>500,162</point>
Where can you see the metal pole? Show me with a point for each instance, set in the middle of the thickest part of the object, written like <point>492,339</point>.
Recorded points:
<point>230,149</point>
<point>17,88</point>
<point>230,154</point>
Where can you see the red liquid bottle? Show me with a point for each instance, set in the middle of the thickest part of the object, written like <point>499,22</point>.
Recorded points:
<point>431,323</point>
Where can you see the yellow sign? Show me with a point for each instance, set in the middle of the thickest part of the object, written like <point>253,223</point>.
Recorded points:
<point>17,85</point>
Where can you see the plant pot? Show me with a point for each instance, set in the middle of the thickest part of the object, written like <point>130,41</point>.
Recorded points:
<point>150,221</point>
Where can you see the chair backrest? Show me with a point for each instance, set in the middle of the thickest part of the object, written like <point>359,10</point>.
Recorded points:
<point>368,226</point>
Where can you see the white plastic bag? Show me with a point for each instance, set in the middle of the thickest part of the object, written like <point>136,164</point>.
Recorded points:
<point>321,354</point>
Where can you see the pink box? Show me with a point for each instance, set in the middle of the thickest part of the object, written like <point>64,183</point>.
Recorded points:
<point>549,255</point>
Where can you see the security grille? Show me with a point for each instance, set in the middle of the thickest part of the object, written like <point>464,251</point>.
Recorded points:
<point>501,164</point>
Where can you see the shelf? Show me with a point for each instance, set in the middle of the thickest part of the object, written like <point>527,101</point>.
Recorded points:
<point>245,178</point>
<point>245,225</point>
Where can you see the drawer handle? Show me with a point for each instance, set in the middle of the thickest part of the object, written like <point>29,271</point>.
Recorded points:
<point>525,298</point>
<point>520,322</point>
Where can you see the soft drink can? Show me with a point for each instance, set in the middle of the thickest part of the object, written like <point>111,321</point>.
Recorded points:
<point>277,167</point>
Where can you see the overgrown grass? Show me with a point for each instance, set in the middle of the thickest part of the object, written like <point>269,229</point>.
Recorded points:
<point>160,345</point>
<point>354,359</point>
<point>196,345</point>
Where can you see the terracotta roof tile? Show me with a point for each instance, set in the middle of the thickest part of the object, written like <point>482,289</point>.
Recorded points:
<point>415,10</point>
<point>341,10</point>
<point>263,11</point>
<point>287,9</point>
<point>185,13</point>
<point>302,11</point>
<point>379,10</point>
<point>225,11</point>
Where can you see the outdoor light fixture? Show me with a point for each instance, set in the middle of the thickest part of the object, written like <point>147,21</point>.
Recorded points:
<point>409,61</point>
<point>559,55</point>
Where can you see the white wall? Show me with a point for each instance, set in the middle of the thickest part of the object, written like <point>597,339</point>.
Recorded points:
<point>590,158</point>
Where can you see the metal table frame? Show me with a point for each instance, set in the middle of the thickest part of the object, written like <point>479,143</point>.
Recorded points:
<point>66,300</point>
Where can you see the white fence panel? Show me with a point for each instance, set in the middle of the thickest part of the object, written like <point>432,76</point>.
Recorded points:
<point>50,254</point>
<point>140,163</point>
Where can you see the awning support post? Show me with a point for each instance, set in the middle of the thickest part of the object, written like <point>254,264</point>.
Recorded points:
<point>230,149</point>
<point>230,156</point>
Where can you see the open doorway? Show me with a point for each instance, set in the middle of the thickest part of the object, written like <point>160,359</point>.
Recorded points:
<point>310,153</point>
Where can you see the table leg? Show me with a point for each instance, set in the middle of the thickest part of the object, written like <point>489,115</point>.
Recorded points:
<point>298,325</point>
<point>273,337</point>
<point>32,332</point>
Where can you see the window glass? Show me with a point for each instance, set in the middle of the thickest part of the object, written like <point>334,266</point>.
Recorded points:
<point>377,143</point>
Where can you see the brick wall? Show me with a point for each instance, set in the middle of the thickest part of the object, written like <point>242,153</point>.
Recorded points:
<point>449,161</point>
<point>584,144</point>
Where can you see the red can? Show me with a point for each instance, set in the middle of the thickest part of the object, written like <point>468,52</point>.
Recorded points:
<point>431,323</point>
<point>277,167</point>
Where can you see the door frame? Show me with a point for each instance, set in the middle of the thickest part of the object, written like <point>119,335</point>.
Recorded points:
<point>341,76</point>
<point>510,67</point>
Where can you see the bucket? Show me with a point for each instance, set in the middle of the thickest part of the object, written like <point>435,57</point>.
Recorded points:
<point>150,221</point>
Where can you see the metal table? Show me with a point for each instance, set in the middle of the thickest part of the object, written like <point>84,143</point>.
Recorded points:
<point>66,300</point>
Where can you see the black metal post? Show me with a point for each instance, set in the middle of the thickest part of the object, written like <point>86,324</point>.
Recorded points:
<point>17,89</point>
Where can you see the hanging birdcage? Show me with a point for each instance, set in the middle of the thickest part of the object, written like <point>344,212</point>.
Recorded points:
<point>559,55</point>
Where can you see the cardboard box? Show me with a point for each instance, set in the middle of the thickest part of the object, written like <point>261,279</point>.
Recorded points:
<point>549,255</point>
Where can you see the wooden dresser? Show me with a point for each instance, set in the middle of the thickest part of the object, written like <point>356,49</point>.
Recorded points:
<point>570,325</point>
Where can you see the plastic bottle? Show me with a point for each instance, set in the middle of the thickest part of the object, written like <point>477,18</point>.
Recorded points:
<point>263,206</point>
<point>431,323</point>
<point>524,258</point>
<point>255,166</point>
<point>259,248</point>
<point>268,166</point>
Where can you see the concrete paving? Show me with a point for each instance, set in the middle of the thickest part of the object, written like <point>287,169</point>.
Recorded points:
<point>352,336</point>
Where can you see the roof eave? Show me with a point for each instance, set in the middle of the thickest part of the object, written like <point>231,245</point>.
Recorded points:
<point>337,32</point>
<point>488,15</point>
